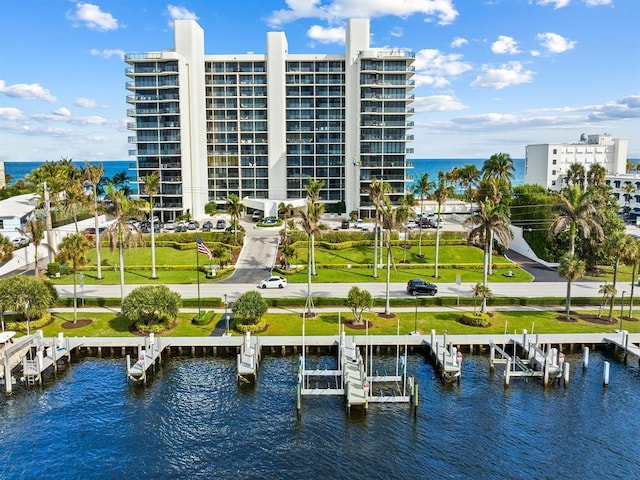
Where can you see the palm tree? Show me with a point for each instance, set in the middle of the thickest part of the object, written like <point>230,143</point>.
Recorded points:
<point>73,249</point>
<point>235,209</point>
<point>377,191</point>
<point>422,189</point>
<point>484,292</point>
<point>576,211</point>
<point>391,216</point>
<point>286,210</point>
<point>313,188</point>
<point>499,166</point>
<point>629,190</point>
<point>35,229</point>
<point>93,175</point>
<point>120,233</point>
<point>468,177</point>
<point>633,259</point>
<point>596,176</point>
<point>6,249</point>
<point>311,225</point>
<point>441,195</point>
<point>621,247</point>
<point>576,176</point>
<point>571,268</point>
<point>151,183</point>
<point>607,291</point>
<point>490,220</point>
<point>408,203</point>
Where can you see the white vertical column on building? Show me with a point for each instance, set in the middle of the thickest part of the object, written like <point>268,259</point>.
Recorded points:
<point>276,57</point>
<point>189,44</point>
<point>620,151</point>
<point>357,41</point>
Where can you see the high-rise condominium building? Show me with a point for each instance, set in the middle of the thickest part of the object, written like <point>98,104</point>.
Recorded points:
<point>260,125</point>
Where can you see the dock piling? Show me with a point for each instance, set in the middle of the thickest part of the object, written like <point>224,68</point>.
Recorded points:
<point>605,374</point>
<point>585,357</point>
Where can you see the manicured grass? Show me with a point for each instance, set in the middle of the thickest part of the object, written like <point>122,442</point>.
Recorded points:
<point>113,325</point>
<point>134,277</point>
<point>403,274</point>
<point>326,323</point>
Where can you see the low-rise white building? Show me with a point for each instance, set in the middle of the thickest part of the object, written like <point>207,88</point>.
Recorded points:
<point>547,164</point>
<point>15,212</point>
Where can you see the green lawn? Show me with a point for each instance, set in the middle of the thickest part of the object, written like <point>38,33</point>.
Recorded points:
<point>326,323</point>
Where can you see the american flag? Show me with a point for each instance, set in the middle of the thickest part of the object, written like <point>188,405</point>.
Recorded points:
<point>202,248</point>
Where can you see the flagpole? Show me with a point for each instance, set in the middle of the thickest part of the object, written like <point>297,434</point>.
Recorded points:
<point>198,274</point>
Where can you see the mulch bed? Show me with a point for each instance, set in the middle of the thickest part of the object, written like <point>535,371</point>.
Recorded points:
<point>364,325</point>
<point>82,322</point>
<point>387,315</point>
<point>593,318</point>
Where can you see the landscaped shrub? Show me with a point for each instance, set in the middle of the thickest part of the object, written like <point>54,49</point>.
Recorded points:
<point>203,318</point>
<point>474,319</point>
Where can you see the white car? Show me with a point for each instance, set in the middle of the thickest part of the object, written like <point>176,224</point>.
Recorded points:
<point>20,242</point>
<point>170,225</point>
<point>273,282</point>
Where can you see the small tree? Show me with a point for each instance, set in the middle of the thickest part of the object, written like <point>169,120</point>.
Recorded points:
<point>484,292</point>
<point>73,250</point>
<point>6,249</point>
<point>29,297</point>
<point>151,304</point>
<point>211,208</point>
<point>608,291</point>
<point>250,308</point>
<point>359,301</point>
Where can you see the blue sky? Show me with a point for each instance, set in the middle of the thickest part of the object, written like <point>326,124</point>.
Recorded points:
<point>491,76</point>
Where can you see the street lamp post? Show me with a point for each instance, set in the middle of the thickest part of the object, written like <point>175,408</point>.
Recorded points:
<point>415,318</point>
<point>82,287</point>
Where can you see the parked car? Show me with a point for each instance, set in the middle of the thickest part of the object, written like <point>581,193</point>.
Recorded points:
<point>345,224</point>
<point>180,228</point>
<point>256,216</point>
<point>20,242</point>
<point>207,226</point>
<point>418,286</point>
<point>273,282</point>
<point>170,225</point>
<point>193,225</point>
<point>411,224</point>
<point>221,224</point>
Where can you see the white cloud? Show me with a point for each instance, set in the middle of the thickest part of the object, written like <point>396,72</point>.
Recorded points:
<point>33,91</point>
<point>458,42</point>
<point>335,10</point>
<point>327,35</point>
<point>396,32</point>
<point>505,44</point>
<point>93,17</point>
<point>438,103</point>
<point>83,102</point>
<point>597,3</point>
<point>108,53</point>
<point>62,112</point>
<point>556,3</point>
<point>431,61</point>
<point>506,75</point>
<point>57,117</point>
<point>11,114</point>
<point>180,13</point>
<point>554,43</point>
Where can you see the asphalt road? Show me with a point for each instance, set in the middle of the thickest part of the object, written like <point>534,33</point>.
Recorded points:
<point>396,290</point>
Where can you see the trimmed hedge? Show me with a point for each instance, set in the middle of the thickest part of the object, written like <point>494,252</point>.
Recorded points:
<point>203,318</point>
<point>474,319</point>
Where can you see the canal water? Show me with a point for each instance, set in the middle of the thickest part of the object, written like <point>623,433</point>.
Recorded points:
<point>193,421</point>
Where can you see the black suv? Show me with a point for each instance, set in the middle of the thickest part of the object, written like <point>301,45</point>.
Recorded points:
<point>417,286</point>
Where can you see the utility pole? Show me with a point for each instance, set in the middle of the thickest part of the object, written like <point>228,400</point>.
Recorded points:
<point>48,226</point>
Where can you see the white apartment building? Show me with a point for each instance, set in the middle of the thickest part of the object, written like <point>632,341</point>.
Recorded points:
<point>547,164</point>
<point>260,125</point>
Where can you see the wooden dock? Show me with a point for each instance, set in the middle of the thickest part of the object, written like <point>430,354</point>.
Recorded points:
<point>622,341</point>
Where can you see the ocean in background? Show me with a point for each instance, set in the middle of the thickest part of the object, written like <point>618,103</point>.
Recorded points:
<point>19,170</point>
<point>433,166</point>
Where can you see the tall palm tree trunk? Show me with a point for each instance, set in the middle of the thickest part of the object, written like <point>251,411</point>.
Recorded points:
<point>387,308</point>
<point>97,234</point>
<point>633,283</point>
<point>121,258</point>
<point>613,295</point>
<point>568,305</point>
<point>313,254</point>
<point>435,272</point>
<point>309,302</point>
<point>75,296</point>
<point>375,250</point>
<point>153,244</point>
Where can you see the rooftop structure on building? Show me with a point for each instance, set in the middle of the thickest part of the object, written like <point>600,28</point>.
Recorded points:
<point>260,125</point>
<point>548,164</point>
